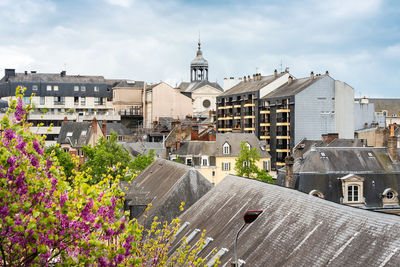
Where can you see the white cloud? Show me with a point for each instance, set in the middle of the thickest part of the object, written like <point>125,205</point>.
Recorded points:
<point>121,3</point>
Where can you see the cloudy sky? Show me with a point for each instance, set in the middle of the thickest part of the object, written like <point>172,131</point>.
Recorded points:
<point>358,41</point>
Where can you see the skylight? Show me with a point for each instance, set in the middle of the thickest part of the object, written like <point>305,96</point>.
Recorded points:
<point>69,134</point>
<point>219,255</point>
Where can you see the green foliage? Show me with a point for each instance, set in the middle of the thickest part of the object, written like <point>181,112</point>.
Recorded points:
<point>64,159</point>
<point>105,155</point>
<point>246,164</point>
<point>142,161</point>
<point>44,110</point>
<point>179,160</point>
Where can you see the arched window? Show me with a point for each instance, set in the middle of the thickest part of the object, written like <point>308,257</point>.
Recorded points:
<point>226,149</point>
<point>390,197</point>
<point>353,193</point>
<point>316,193</point>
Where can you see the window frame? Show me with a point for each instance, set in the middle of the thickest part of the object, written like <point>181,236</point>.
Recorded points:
<point>48,88</point>
<point>226,148</point>
<point>351,196</point>
<point>76,88</point>
<point>35,87</point>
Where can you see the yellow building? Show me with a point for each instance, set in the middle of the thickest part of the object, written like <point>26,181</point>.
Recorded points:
<point>216,159</point>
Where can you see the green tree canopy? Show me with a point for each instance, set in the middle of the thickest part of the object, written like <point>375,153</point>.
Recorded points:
<point>105,155</point>
<point>64,158</point>
<point>246,164</point>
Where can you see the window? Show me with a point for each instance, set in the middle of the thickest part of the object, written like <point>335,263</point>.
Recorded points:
<point>390,195</point>
<point>226,166</point>
<point>206,103</point>
<point>59,100</point>
<point>34,87</point>
<point>76,88</point>
<point>42,100</point>
<point>245,163</point>
<point>265,165</point>
<point>76,100</point>
<point>83,88</point>
<point>83,133</point>
<point>353,193</point>
<point>189,162</point>
<point>213,173</point>
<point>26,100</point>
<point>69,134</point>
<point>226,148</point>
<point>83,100</point>
<point>98,101</point>
<point>316,193</point>
<point>55,87</point>
<point>120,138</point>
<point>48,87</point>
<point>204,161</point>
<point>96,88</point>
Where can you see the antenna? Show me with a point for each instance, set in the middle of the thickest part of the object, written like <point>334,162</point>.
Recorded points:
<point>281,65</point>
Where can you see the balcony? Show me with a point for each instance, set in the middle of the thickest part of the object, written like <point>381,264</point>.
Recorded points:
<point>134,111</point>
<point>283,110</point>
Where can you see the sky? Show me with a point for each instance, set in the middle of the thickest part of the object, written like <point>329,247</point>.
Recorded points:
<point>357,41</point>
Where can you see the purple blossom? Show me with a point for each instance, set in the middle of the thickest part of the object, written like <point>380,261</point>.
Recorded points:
<point>119,259</point>
<point>11,161</point>
<point>35,162</point>
<point>63,199</point>
<point>102,261</point>
<point>9,134</point>
<point>20,112</point>
<point>4,211</point>
<point>21,145</point>
<point>37,147</point>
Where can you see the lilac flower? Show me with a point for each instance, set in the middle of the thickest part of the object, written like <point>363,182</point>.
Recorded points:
<point>37,147</point>
<point>4,211</point>
<point>21,145</point>
<point>35,162</point>
<point>119,259</point>
<point>9,134</point>
<point>11,161</point>
<point>63,198</point>
<point>20,112</point>
<point>102,261</point>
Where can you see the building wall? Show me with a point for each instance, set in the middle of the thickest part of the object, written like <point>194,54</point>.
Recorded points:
<point>313,110</point>
<point>220,174</point>
<point>169,102</point>
<point>273,85</point>
<point>124,98</point>
<point>204,93</point>
<point>344,110</point>
<point>363,113</point>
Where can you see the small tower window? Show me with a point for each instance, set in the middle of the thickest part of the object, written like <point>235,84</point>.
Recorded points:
<point>226,148</point>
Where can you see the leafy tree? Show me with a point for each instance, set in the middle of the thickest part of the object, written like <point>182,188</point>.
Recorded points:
<point>142,161</point>
<point>246,164</point>
<point>64,158</point>
<point>105,155</point>
<point>45,221</point>
<point>179,160</point>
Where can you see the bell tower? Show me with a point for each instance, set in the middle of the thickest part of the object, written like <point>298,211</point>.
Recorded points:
<point>199,67</point>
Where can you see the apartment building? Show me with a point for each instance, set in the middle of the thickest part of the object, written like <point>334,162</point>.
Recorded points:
<point>59,96</point>
<point>282,110</point>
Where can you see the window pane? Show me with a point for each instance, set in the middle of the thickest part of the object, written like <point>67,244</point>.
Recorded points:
<point>48,87</point>
<point>55,87</point>
<point>350,193</point>
<point>34,87</point>
<point>76,87</point>
<point>83,88</point>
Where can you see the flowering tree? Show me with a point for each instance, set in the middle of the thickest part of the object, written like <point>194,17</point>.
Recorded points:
<point>44,220</point>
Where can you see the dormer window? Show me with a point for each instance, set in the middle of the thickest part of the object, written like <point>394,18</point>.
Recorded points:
<point>352,189</point>
<point>390,197</point>
<point>226,148</point>
<point>316,193</point>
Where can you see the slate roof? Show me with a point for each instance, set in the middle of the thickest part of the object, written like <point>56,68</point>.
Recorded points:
<point>321,168</point>
<point>165,184</point>
<point>392,105</point>
<point>53,77</point>
<point>141,148</point>
<point>251,86</point>
<point>190,87</point>
<point>77,139</point>
<point>126,84</point>
<point>295,229</point>
<point>197,148</point>
<point>117,127</point>
<point>234,140</point>
<point>295,87</point>
<point>305,145</point>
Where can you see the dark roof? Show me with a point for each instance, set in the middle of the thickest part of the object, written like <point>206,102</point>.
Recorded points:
<point>165,184</point>
<point>182,86</point>
<point>295,229</point>
<point>130,84</point>
<point>305,145</point>
<point>392,105</point>
<point>3,104</point>
<point>295,87</point>
<point>54,77</point>
<point>251,86</point>
<point>234,140</point>
<point>117,127</point>
<point>76,134</point>
<point>346,160</point>
<point>197,148</point>
<point>141,148</point>
<point>190,87</point>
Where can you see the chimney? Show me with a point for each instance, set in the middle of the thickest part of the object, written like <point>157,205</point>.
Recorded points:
<point>287,69</point>
<point>26,72</point>
<point>326,72</point>
<point>33,71</point>
<point>9,73</point>
<point>324,137</point>
<point>94,125</point>
<point>178,144</point>
<point>392,148</point>
<point>290,79</point>
<point>104,128</point>
<point>332,136</point>
<point>275,73</point>
<point>248,78</point>
<point>312,75</point>
<point>391,129</point>
<point>244,78</point>
<point>63,73</point>
<point>194,134</point>
<point>65,119</point>
<point>289,180</point>
<point>254,77</point>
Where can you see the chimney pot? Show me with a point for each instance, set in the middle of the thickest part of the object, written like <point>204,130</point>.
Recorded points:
<point>275,73</point>
<point>244,78</point>
<point>311,75</point>
<point>289,179</point>
<point>248,78</point>
<point>94,125</point>
<point>290,78</point>
<point>104,128</point>
<point>254,77</point>
<point>26,72</point>
<point>327,72</point>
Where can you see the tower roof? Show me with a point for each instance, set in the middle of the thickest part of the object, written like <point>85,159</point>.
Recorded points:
<point>199,61</point>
